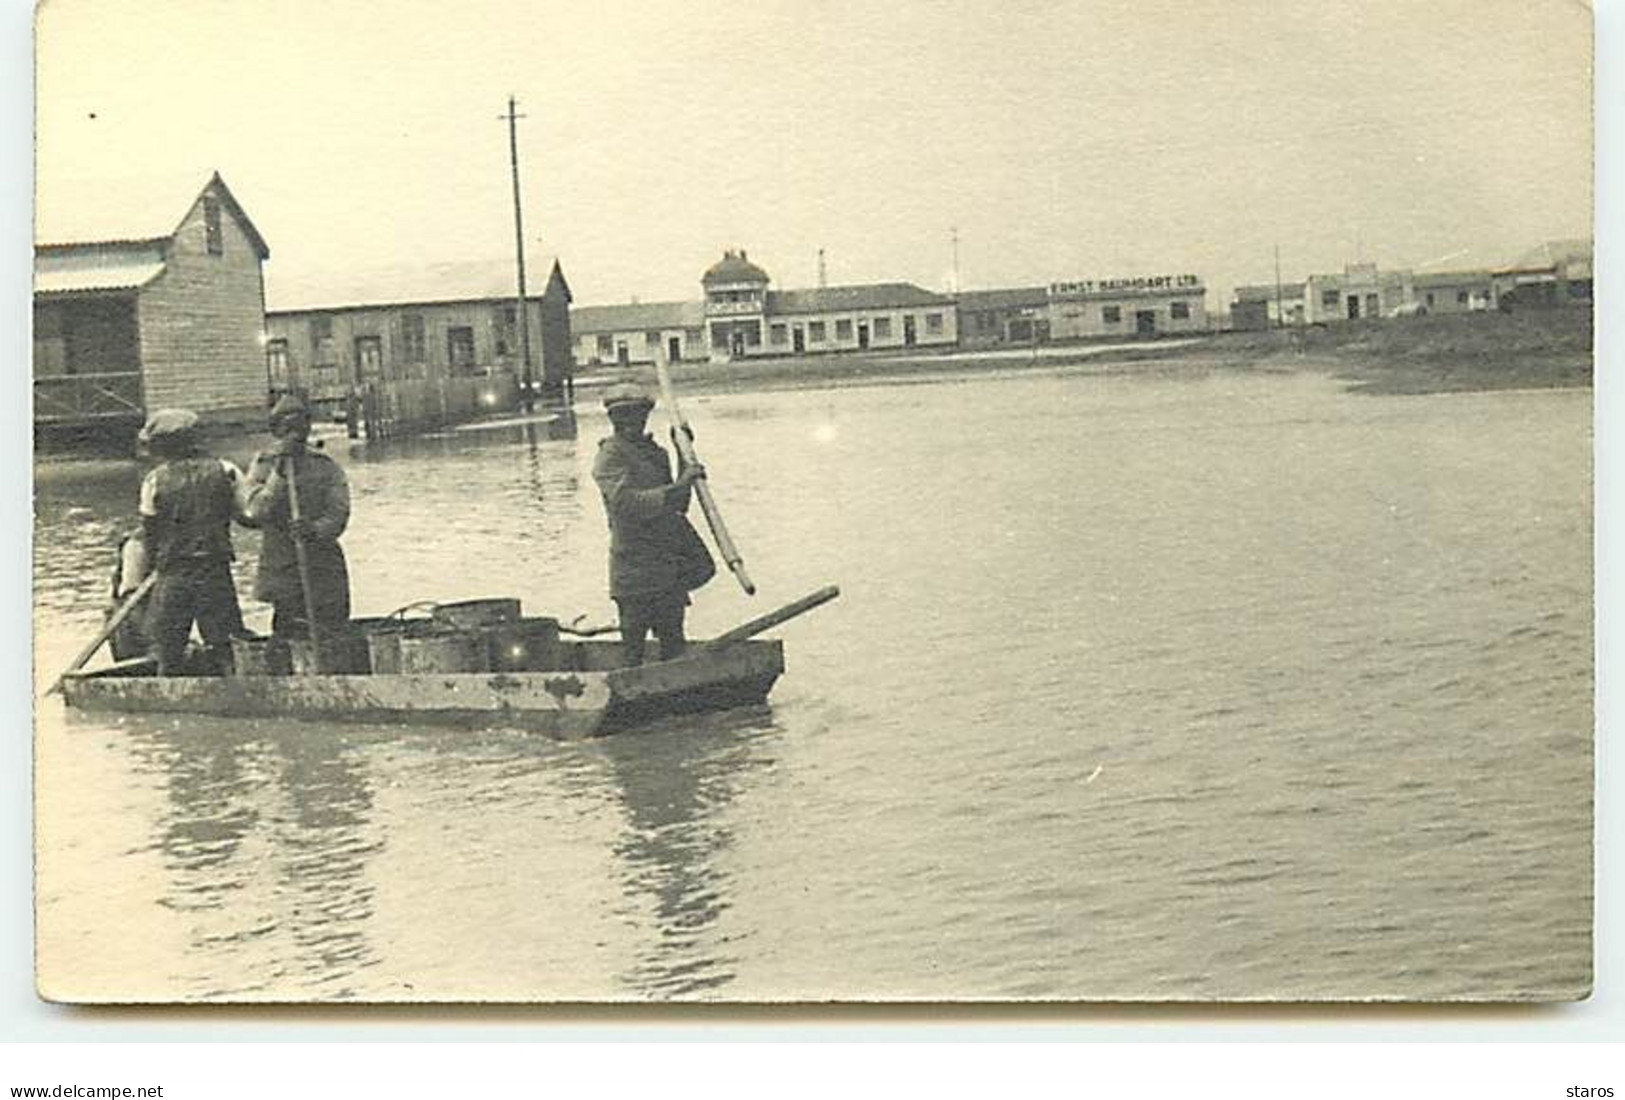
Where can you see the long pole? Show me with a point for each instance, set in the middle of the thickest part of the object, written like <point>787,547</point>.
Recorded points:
<point>114,621</point>
<point>1280,316</point>
<point>302,558</point>
<point>682,437</point>
<point>519,251</point>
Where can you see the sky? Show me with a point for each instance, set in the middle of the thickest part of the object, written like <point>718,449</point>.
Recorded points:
<point>1059,141</point>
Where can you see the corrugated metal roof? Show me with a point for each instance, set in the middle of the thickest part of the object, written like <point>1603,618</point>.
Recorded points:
<point>636,317</point>
<point>90,268</point>
<point>838,299</point>
<point>1026,297</point>
<point>405,284</point>
<point>126,208</point>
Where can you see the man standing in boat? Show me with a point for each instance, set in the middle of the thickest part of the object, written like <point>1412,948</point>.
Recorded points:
<point>323,494</point>
<point>188,501</point>
<point>655,557</point>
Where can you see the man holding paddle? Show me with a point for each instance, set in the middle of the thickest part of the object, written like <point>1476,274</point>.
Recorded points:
<point>300,499</point>
<point>655,557</point>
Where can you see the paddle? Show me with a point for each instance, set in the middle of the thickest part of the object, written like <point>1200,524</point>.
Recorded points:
<point>302,558</point>
<point>773,618</point>
<point>114,621</point>
<point>682,437</point>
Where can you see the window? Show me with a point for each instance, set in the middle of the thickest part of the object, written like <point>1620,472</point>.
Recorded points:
<point>652,338</point>
<point>693,335</point>
<point>1112,315</point>
<point>460,350</point>
<point>843,329</point>
<point>321,341</point>
<point>211,226</point>
<point>1328,299</point>
<point>276,361</point>
<point>1461,298</point>
<point>606,346</point>
<point>882,328</point>
<point>1180,311</point>
<point>778,334</point>
<point>933,322</point>
<point>815,332</point>
<point>1430,298</point>
<point>412,342</point>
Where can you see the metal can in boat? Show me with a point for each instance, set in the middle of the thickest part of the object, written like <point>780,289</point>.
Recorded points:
<point>254,655</point>
<point>443,651</point>
<point>477,614</point>
<point>344,653</point>
<point>529,645</point>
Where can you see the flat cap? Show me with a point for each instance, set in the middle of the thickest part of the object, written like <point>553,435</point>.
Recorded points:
<point>625,395</point>
<point>169,424</point>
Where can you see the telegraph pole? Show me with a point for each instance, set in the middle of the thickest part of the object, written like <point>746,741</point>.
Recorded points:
<point>526,380</point>
<point>955,231</point>
<point>1280,315</point>
<point>823,276</point>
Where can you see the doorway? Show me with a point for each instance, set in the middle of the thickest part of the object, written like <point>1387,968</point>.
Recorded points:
<point>909,335</point>
<point>369,359</point>
<point>1145,322</point>
<point>863,334</point>
<point>674,349</point>
<point>798,338</point>
<point>1354,307</point>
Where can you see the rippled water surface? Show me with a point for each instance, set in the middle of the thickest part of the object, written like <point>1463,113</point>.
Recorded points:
<point>1139,686</point>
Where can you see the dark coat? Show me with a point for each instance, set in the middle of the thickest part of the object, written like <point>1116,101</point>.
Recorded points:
<point>324,500</point>
<point>653,549</point>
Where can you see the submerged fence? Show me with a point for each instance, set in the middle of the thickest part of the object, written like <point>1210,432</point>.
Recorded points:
<point>408,406</point>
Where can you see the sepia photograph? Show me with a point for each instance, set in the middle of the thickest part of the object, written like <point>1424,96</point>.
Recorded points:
<point>1073,501</point>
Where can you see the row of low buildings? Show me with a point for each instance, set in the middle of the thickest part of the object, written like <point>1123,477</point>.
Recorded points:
<point>136,308</point>
<point>739,316</point>
<point>1557,273</point>
<point>133,313</point>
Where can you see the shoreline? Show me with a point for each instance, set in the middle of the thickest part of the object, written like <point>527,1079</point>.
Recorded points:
<point>1409,357</point>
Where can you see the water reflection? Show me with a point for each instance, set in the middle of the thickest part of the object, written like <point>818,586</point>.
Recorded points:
<point>677,785</point>
<point>265,843</point>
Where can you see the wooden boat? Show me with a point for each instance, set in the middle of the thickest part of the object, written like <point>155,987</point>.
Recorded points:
<point>588,694</point>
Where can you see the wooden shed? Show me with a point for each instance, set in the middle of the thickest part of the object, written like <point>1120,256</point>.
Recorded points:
<point>393,327</point>
<point>146,295</point>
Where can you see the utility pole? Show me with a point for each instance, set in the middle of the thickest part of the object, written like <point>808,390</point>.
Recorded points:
<point>526,396</point>
<point>954,230</point>
<point>1280,313</point>
<point>823,276</point>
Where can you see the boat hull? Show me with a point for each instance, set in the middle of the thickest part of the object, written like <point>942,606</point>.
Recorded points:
<point>558,703</point>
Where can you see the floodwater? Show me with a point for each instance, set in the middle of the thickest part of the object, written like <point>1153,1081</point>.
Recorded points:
<point>1141,685</point>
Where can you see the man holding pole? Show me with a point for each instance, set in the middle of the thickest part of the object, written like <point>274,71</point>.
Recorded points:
<point>187,504</point>
<point>655,557</point>
<point>300,499</point>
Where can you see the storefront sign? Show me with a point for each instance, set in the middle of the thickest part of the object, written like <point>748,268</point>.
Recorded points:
<point>1149,284</point>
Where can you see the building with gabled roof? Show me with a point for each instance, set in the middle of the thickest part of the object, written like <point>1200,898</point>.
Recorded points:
<point>1556,273</point>
<point>337,332</point>
<point>148,293</point>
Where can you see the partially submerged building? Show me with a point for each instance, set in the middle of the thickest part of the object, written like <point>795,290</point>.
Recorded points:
<point>333,335</point>
<point>147,293</point>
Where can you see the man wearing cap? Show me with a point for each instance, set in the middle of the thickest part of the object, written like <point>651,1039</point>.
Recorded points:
<point>188,501</point>
<point>324,511</point>
<point>655,557</point>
